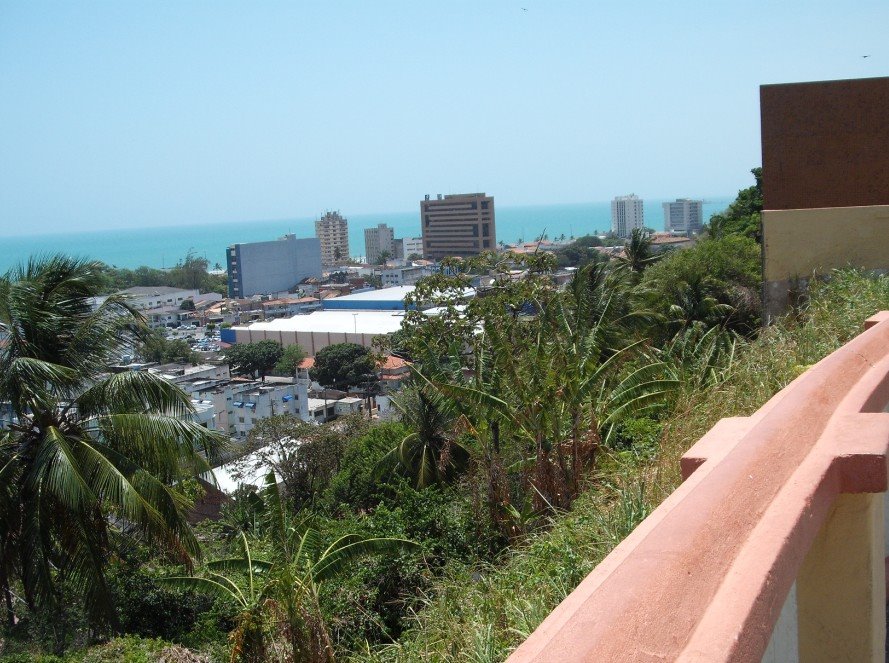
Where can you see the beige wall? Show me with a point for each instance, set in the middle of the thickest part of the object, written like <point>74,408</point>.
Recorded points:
<point>800,242</point>
<point>311,342</point>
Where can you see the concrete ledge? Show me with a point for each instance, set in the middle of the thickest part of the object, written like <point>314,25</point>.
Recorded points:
<point>705,576</point>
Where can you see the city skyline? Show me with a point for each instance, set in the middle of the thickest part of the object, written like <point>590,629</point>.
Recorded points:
<point>127,116</point>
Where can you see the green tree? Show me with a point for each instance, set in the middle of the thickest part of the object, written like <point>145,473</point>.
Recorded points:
<point>744,216</point>
<point>281,603</point>
<point>155,347</point>
<point>304,456</point>
<point>431,452</point>
<point>580,252</point>
<point>343,365</point>
<point>89,457</point>
<point>715,282</point>
<point>290,360</point>
<point>637,252</point>
<point>254,358</point>
<point>383,257</point>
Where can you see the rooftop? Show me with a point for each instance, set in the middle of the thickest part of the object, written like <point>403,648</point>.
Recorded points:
<point>138,290</point>
<point>360,322</point>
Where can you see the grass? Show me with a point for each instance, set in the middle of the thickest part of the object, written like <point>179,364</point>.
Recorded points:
<point>476,615</point>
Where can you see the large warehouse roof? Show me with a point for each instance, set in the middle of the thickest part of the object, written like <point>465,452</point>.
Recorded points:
<point>352,322</point>
<point>385,298</point>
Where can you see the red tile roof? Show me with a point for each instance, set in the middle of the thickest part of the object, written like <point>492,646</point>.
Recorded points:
<point>393,363</point>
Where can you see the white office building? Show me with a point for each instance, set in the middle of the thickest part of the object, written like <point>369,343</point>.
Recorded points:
<point>626,214</point>
<point>684,216</point>
<point>405,247</point>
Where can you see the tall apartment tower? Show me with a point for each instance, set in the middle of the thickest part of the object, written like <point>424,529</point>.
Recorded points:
<point>333,231</point>
<point>684,216</point>
<point>460,225</point>
<point>378,240</point>
<point>626,214</point>
<point>259,268</point>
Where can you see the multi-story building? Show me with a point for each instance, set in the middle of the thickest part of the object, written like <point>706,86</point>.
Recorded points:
<point>333,232</point>
<point>684,216</point>
<point>269,267</point>
<point>459,225</point>
<point>378,241</point>
<point>145,298</point>
<point>626,214</point>
<point>239,404</point>
<point>403,275</point>
<point>405,247</point>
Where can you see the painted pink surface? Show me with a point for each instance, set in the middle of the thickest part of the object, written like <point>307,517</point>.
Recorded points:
<point>704,577</point>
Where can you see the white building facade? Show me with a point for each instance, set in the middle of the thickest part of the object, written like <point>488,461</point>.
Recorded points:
<point>405,247</point>
<point>684,216</point>
<point>627,213</point>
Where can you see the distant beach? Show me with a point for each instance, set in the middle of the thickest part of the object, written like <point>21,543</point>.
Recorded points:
<point>163,246</point>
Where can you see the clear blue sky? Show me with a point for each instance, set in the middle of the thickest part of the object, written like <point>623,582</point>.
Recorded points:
<point>124,114</point>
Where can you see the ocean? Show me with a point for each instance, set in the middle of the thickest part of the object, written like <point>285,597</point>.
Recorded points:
<point>162,247</point>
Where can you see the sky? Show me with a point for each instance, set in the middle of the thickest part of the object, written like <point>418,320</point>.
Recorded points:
<point>136,114</point>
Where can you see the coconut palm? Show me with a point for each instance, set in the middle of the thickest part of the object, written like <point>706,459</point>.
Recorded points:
<point>637,252</point>
<point>279,596</point>
<point>430,453</point>
<point>87,456</point>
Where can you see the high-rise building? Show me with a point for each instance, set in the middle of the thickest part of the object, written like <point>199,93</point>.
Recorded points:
<point>684,216</point>
<point>333,231</point>
<point>377,241</point>
<point>460,225</point>
<point>259,268</point>
<point>626,214</point>
<point>405,247</point>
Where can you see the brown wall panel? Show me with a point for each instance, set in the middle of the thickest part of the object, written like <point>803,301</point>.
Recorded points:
<point>825,144</point>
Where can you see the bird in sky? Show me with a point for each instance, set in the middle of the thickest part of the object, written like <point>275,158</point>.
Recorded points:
<point>524,9</point>
<point>865,56</point>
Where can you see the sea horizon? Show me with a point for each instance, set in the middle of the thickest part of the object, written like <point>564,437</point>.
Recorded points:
<point>164,245</point>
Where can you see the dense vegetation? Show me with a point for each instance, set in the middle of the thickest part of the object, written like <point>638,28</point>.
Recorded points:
<point>541,424</point>
<point>190,273</point>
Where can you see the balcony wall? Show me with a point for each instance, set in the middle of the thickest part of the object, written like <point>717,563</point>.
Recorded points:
<point>772,549</point>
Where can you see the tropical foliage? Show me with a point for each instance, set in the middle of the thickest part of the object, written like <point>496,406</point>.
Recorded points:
<point>254,359</point>
<point>542,419</point>
<point>280,612</point>
<point>343,365</point>
<point>88,458</point>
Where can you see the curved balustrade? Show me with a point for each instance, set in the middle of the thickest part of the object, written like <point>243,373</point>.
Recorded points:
<point>781,514</point>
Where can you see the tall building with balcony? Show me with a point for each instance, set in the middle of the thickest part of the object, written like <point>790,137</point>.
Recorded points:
<point>684,216</point>
<point>377,241</point>
<point>626,214</point>
<point>332,230</point>
<point>460,225</point>
<point>259,268</point>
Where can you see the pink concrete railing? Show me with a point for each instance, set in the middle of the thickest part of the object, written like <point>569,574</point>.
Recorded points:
<point>786,499</point>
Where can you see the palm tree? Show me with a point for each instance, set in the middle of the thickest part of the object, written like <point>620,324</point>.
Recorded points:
<point>284,589</point>
<point>551,384</point>
<point>695,302</point>
<point>87,456</point>
<point>430,453</point>
<point>637,252</point>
